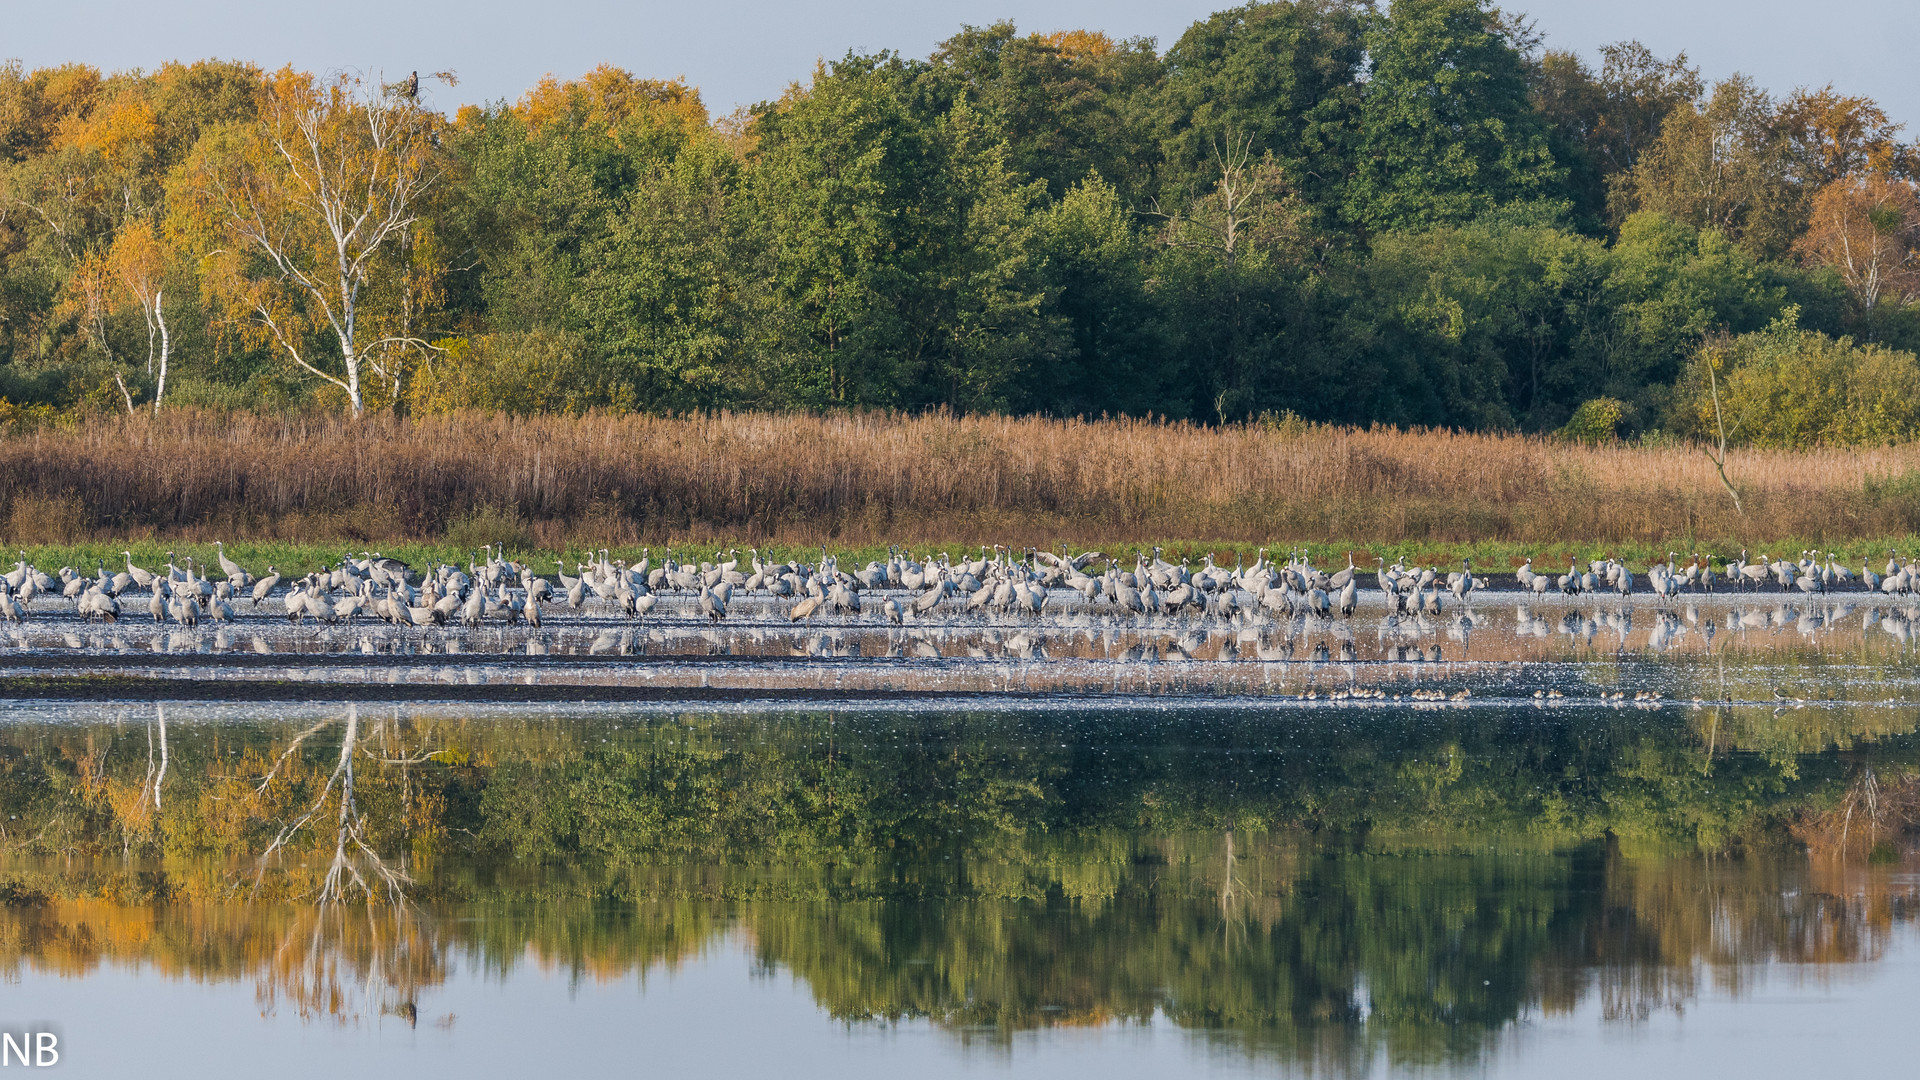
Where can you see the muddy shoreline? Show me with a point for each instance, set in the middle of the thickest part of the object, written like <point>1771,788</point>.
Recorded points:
<point>139,688</point>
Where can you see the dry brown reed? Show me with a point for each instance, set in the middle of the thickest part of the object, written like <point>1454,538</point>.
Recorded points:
<point>856,479</point>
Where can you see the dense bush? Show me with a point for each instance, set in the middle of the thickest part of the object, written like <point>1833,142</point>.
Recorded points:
<point>1595,421</point>
<point>1788,387</point>
<point>520,373</point>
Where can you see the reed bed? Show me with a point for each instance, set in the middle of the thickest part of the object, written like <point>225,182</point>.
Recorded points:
<point>873,478</point>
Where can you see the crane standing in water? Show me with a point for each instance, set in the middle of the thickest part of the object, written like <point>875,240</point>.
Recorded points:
<point>1002,583</point>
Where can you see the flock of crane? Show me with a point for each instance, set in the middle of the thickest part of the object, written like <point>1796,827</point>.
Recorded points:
<point>496,589</point>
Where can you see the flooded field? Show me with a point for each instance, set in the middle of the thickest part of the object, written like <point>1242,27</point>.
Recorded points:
<point>1753,647</point>
<point>1524,836</point>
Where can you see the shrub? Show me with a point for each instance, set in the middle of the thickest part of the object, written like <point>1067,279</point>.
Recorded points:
<point>483,525</point>
<point>1596,421</point>
<point>25,417</point>
<point>1787,387</point>
<point>517,373</point>
<point>1896,496</point>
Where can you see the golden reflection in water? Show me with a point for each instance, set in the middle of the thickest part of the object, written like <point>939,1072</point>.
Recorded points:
<point>1292,949</point>
<point>1316,888</point>
<point>334,962</point>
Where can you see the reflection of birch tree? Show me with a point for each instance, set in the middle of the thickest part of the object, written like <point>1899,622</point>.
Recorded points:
<point>133,806</point>
<point>1231,918</point>
<point>1869,815</point>
<point>157,777</point>
<point>339,963</point>
<point>335,819</point>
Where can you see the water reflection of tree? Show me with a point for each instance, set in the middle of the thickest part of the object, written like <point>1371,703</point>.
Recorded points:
<point>1656,926</point>
<point>1419,956</point>
<point>342,962</point>
<point>1335,953</point>
<point>133,805</point>
<point>1321,898</point>
<point>302,822</point>
<point>1864,819</point>
<point>358,947</point>
<point>1310,957</point>
<point>690,788</point>
<point>336,818</point>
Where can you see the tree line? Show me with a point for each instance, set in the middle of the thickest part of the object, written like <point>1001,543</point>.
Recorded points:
<point>1409,213</point>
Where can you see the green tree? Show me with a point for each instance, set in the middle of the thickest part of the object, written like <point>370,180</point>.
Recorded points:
<point>1603,121</point>
<point>1447,130</point>
<point>1723,165</point>
<point>1228,279</point>
<point>897,260</point>
<point>659,296</point>
<point>1668,286</point>
<point>543,183</point>
<point>1486,317</point>
<point>1068,103</point>
<point>1280,79</point>
<point>1098,267</point>
<point>839,167</point>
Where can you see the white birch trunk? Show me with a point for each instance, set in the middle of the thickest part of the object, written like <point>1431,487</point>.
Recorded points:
<point>161,776</point>
<point>160,390</point>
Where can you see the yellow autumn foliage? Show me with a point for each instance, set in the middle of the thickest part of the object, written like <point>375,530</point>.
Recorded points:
<point>520,374</point>
<point>1787,387</point>
<point>609,99</point>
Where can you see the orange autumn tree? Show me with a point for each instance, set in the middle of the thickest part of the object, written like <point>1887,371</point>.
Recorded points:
<point>1867,228</point>
<point>95,172</point>
<point>1087,44</point>
<point>1833,135</point>
<point>308,217</point>
<point>1863,220</point>
<point>611,101</point>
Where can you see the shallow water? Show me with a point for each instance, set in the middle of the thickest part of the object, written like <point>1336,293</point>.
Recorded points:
<point>1122,885</point>
<point>1760,647</point>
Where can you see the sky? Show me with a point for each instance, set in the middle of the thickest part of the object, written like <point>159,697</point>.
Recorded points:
<point>742,51</point>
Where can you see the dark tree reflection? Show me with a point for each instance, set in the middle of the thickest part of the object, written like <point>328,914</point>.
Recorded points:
<point>1319,890</point>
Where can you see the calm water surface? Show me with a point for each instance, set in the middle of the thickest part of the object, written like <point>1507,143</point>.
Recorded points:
<point>1494,887</point>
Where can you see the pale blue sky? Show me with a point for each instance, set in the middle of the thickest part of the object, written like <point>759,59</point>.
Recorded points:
<point>741,51</point>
